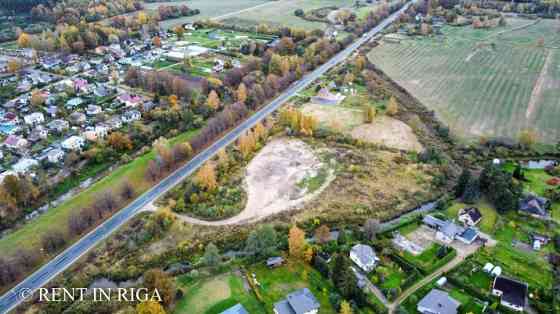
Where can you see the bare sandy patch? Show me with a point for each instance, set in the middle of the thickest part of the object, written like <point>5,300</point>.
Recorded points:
<point>384,130</point>
<point>389,132</point>
<point>273,181</point>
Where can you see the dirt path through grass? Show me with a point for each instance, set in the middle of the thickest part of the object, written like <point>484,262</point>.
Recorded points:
<point>536,94</point>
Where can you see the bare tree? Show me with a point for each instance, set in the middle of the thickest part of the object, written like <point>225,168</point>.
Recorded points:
<point>52,241</point>
<point>127,191</point>
<point>371,228</point>
<point>27,258</point>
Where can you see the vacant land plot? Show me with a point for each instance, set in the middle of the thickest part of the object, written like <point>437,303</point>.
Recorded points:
<point>215,294</point>
<point>284,175</point>
<point>483,82</point>
<point>276,284</point>
<point>383,130</point>
<point>389,132</point>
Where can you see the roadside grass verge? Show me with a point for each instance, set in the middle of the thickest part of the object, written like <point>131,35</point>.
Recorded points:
<point>29,236</point>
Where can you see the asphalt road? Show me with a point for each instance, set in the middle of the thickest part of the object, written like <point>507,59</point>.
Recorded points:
<point>64,260</point>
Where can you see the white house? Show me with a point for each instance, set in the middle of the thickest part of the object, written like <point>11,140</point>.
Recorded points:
<point>58,125</point>
<point>130,116</point>
<point>93,110</point>
<point>364,256</point>
<point>24,165</point>
<point>74,102</point>
<point>55,155</point>
<point>73,143</point>
<point>34,118</point>
<point>512,293</point>
<point>98,132</point>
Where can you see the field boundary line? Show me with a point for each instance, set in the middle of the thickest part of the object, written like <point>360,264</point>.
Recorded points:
<point>538,87</point>
<point>223,16</point>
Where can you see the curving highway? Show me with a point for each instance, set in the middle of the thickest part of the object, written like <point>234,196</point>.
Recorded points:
<point>64,260</point>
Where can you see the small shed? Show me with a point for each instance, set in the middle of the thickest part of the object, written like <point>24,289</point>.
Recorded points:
<point>488,268</point>
<point>497,271</point>
<point>441,282</point>
<point>276,261</point>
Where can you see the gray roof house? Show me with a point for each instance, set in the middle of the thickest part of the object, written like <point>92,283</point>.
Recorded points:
<point>298,302</point>
<point>438,302</point>
<point>364,256</point>
<point>236,309</point>
<point>447,231</point>
<point>534,205</point>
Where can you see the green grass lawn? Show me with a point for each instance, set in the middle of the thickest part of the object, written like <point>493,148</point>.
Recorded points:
<point>29,236</point>
<point>162,64</point>
<point>469,304</point>
<point>393,276</point>
<point>535,179</point>
<point>214,295</point>
<point>276,283</point>
<point>556,212</point>
<point>409,228</point>
<point>426,258</point>
<point>428,261</point>
<point>527,266</point>
<point>489,214</point>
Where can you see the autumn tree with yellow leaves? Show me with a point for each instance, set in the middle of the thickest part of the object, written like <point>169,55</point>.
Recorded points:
<point>369,113</point>
<point>24,40</point>
<point>149,307</point>
<point>242,93</point>
<point>173,102</point>
<point>213,100</point>
<point>345,307</point>
<point>298,121</point>
<point>296,242</point>
<point>393,106</point>
<point>206,177</point>
<point>37,98</point>
<point>247,143</point>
